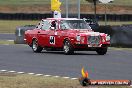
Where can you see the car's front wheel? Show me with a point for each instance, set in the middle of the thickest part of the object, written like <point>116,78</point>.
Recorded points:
<point>67,48</point>
<point>35,47</point>
<point>101,51</point>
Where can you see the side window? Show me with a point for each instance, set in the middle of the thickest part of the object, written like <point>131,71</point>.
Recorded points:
<point>64,25</point>
<point>39,25</point>
<point>54,24</point>
<point>46,25</point>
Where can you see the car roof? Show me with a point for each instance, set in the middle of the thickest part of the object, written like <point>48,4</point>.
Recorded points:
<point>62,19</point>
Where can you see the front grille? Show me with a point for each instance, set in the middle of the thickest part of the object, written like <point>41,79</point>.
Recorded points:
<point>94,40</point>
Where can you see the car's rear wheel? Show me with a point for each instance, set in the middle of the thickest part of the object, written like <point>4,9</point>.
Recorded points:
<point>101,51</point>
<point>67,48</point>
<point>35,47</point>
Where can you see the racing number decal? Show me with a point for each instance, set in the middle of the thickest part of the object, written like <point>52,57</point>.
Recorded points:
<point>52,40</point>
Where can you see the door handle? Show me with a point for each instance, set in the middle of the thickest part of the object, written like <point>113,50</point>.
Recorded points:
<point>38,31</point>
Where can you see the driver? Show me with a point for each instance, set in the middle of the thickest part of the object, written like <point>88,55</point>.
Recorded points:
<point>53,24</point>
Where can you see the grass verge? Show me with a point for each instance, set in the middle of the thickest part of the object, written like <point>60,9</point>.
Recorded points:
<point>120,48</point>
<point>30,81</point>
<point>9,26</point>
<point>114,23</point>
<point>3,42</point>
<point>8,80</point>
<point>39,2</point>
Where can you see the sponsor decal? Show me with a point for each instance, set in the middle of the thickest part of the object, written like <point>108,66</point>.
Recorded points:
<point>86,81</point>
<point>52,40</point>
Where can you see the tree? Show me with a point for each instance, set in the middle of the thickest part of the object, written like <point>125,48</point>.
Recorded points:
<point>94,2</point>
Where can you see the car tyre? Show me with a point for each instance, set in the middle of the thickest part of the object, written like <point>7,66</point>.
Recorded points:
<point>101,51</point>
<point>67,48</point>
<point>35,47</point>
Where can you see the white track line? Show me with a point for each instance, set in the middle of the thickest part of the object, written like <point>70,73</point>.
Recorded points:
<point>31,73</point>
<point>3,70</point>
<point>10,40</point>
<point>39,74</point>
<point>66,77</point>
<point>74,78</point>
<point>12,71</point>
<point>7,33</point>
<point>47,75</point>
<point>56,76</point>
<point>20,72</point>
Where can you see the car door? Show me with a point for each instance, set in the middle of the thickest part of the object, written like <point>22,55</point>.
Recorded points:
<point>54,38</point>
<point>62,33</point>
<point>43,33</point>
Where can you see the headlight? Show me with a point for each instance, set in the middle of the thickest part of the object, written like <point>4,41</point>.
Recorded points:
<point>108,38</point>
<point>78,38</point>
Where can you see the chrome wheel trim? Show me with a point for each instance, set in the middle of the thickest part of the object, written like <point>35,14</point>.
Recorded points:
<point>35,45</point>
<point>66,48</point>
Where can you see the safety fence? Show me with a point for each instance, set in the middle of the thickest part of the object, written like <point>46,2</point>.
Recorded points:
<point>38,16</point>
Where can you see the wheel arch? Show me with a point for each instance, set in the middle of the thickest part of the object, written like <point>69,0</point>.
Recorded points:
<point>34,38</point>
<point>66,39</point>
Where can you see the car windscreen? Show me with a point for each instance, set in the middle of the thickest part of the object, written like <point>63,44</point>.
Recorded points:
<point>74,24</point>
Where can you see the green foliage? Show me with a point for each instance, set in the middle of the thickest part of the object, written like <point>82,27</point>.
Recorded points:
<point>42,2</point>
<point>24,2</point>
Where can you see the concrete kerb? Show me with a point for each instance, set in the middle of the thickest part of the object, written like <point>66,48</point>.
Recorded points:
<point>15,72</point>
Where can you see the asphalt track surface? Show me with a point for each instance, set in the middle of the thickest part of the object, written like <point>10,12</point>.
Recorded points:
<point>116,64</point>
<point>7,36</point>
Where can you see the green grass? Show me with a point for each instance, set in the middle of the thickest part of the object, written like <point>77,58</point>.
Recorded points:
<point>120,48</point>
<point>32,2</point>
<point>9,26</point>
<point>30,81</point>
<point>114,23</point>
<point>23,2</point>
<point>8,80</point>
<point>123,2</point>
<point>6,42</point>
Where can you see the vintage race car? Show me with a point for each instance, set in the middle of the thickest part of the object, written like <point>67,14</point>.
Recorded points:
<point>67,34</point>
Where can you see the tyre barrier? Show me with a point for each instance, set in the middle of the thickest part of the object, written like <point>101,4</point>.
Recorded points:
<point>121,36</point>
<point>19,33</point>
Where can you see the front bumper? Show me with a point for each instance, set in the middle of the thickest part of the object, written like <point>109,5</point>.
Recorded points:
<point>88,46</point>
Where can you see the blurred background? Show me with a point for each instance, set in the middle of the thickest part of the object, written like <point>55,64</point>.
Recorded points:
<point>14,13</point>
<point>21,12</point>
<point>17,16</point>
